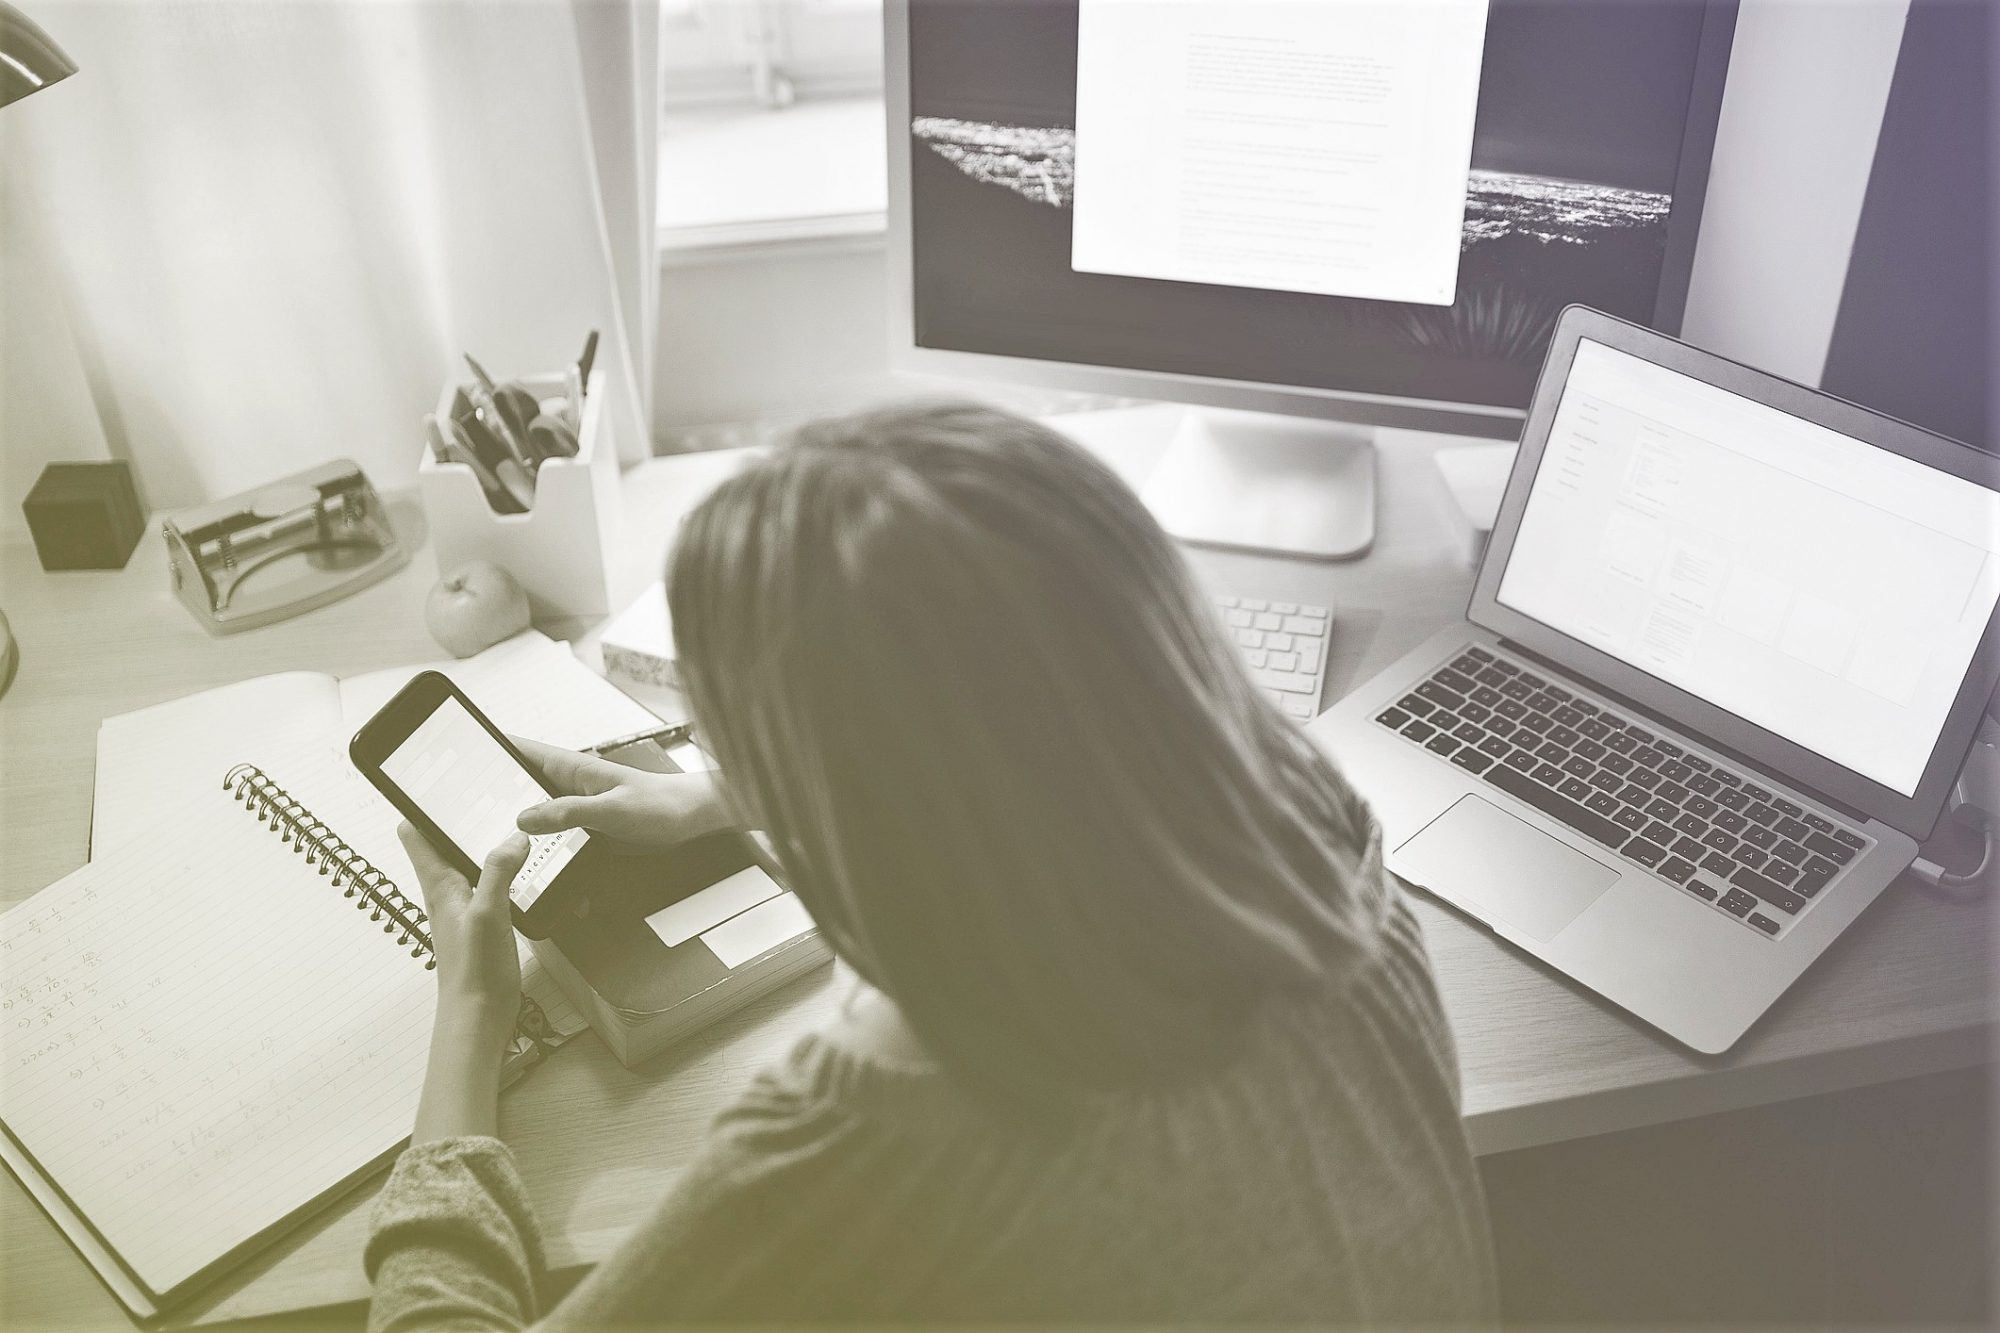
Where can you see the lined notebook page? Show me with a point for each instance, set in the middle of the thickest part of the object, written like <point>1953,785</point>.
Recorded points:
<point>146,758</point>
<point>204,1037</point>
<point>529,685</point>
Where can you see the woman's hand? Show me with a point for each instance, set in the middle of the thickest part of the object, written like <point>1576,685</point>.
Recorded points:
<point>472,929</point>
<point>627,805</point>
<point>479,986</point>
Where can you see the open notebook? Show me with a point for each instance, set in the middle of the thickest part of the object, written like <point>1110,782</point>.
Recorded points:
<point>222,1021</point>
<point>214,1026</point>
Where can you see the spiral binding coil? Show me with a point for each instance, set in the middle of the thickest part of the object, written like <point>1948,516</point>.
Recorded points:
<point>372,891</point>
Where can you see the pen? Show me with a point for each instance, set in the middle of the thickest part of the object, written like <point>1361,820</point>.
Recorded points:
<point>674,731</point>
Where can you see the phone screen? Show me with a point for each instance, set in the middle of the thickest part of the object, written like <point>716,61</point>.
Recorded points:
<point>472,789</point>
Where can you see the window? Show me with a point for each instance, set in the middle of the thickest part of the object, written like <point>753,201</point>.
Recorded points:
<point>768,51</point>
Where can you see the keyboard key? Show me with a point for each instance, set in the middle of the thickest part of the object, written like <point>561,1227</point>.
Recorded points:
<point>1393,719</point>
<point>1492,679</point>
<point>1257,657</point>
<point>1296,705</point>
<point>1697,763</point>
<point>1291,682</point>
<point>1775,869</point>
<point>1284,661</point>
<point>1746,855</point>
<point>1604,780</point>
<point>1647,854</point>
<point>1574,788</point>
<point>1594,728</point>
<point>1585,706</point>
<point>1733,798</point>
<point>1563,735</point>
<point>1567,716</point>
<point>1811,881</point>
<point>1602,803</point>
<point>1699,805</point>
<point>1701,888</point>
<point>1759,836</point>
<point>1689,848</point>
<point>1766,815</point>
<point>1692,825</point>
<point>1715,863</point>
<point>1645,777</point>
<point>1544,702</point>
<point>1790,851</point>
<point>1667,747</point>
<point>1775,894</point>
<point>1558,691</point>
<point>1660,833</point>
<point>1521,760</point>
<point>1672,791</point>
<point>1420,731</point>
<point>1473,760</point>
<point>1253,603</point>
<point>1590,749</point>
<point>1475,713</point>
<point>1677,869</point>
<point>1837,852</point>
<point>1720,839</point>
<point>1237,619</point>
<point>1267,620</point>
<point>1548,774</point>
<point>1500,726</point>
<point>1647,757</point>
<point>1517,690</point>
<point>1468,733</point>
<point>1737,903</point>
<point>1634,794</point>
<point>1551,753</point>
<point>1763,923</point>
<point>1511,708</point>
<point>1588,822</point>
<point>1467,663</point>
<point>1704,783</point>
<point>1539,723</point>
<point>1789,807</point>
<point>1632,819</point>
<point>1727,779</point>
<point>1729,819</point>
<point>1441,745</point>
<point>1756,791</point>
<point>1300,624</point>
<point>1617,763</point>
<point>1851,839</point>
<point>1639,734</point>
<point>1665,811</point>
<point>1285,608</point>
<point>1438,694</point>
<point>1577,766</point>
<point>1502,664</point>
<point>1622,742</point>
<point>1792,828</point>
<point>1415,705</point>
<point>1494,746</point>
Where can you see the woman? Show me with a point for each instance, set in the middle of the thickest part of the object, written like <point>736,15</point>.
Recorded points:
<point>1145,1033</point>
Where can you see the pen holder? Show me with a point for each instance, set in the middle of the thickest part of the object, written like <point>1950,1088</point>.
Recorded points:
<point>559,551</point>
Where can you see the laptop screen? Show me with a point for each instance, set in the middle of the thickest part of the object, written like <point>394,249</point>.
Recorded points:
<point>1816,586</point>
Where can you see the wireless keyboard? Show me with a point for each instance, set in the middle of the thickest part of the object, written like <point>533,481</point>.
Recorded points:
<point>1284,645</point>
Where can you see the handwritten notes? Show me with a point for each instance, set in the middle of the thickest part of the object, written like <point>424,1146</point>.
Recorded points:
<point>203,1036</point>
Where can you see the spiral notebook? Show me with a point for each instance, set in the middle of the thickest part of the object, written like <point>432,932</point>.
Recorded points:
<point>217,1026</point>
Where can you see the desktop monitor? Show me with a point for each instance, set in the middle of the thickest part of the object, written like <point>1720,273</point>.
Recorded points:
<point>1318,218</point>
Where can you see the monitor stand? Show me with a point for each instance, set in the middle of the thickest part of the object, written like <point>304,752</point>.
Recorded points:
<point>1254,481</point>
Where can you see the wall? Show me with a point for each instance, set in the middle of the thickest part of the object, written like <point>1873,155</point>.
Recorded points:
<point>805,330</point>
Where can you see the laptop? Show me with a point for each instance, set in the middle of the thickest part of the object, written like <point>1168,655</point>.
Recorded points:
<point>1725,655</point>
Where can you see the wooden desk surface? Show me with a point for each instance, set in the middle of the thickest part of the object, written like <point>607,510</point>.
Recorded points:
<point>1908,991</point>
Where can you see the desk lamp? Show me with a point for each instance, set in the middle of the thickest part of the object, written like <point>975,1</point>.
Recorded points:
<point>29,62</point>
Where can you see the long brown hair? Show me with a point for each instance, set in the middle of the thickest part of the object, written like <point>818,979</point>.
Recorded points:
<point>967,685</point>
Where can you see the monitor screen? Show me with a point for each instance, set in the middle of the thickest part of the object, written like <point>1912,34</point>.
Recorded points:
<point>1573,126</point>
<point>1826,590</point>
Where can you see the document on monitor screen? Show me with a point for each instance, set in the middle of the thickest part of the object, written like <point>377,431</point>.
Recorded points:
<point>1822,588</point>
<point>1296,145</point>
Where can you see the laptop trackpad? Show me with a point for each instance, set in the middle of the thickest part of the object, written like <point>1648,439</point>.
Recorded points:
<point>1503,869</point>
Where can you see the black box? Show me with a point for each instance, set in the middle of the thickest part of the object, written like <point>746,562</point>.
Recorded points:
<point>85,515</point>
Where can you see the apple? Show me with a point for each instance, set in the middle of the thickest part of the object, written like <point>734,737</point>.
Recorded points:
<point>474,607</point>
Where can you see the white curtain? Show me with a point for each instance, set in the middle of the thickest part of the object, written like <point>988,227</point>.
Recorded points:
<point>270,227</point>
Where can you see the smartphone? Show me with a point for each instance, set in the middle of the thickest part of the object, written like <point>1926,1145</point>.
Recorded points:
<point>453,774</point>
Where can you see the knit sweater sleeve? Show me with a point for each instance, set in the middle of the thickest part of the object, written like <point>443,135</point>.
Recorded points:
<point>748,1232</point>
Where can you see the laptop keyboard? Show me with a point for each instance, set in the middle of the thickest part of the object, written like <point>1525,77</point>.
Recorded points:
<point>1693,822</point>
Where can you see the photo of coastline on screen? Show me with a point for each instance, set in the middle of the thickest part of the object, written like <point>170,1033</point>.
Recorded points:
<point>1576,147</point>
